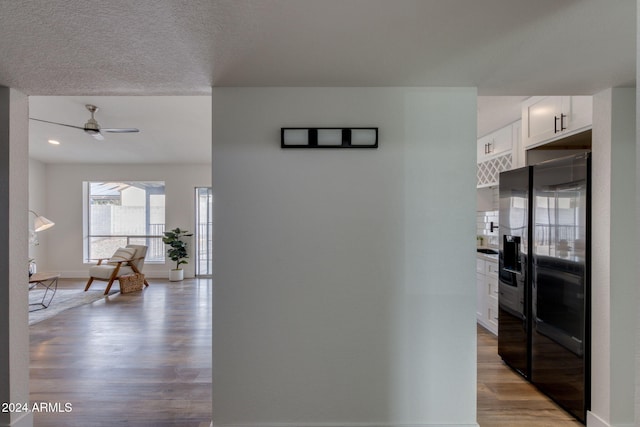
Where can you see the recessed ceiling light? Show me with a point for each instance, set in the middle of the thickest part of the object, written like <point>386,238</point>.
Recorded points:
<point>54,142</point>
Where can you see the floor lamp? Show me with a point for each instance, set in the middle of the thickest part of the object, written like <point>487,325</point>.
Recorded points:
<point>41,223</point>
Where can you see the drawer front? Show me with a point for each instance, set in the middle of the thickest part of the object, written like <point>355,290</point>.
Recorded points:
<point>492,317</point>
<point>492,314</point>
<point>480,297</point>
<point>492,287</point>
<point>491,269</point>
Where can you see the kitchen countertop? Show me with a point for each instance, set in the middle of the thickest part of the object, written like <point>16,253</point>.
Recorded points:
<point>487,257</point>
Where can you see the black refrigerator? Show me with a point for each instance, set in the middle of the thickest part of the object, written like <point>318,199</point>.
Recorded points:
<point>544,278</point>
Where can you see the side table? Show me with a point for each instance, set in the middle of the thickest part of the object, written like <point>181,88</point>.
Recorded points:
<point>48,281</point>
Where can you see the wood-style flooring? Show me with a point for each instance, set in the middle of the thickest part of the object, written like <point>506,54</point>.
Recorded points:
<point>138,359</point>
<point>144,359</point>
<point>505,399</point>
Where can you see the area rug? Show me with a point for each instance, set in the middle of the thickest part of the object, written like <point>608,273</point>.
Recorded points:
<point>64,299</point>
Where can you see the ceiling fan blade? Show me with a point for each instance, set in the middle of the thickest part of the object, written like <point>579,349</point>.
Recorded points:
<point>91,126</point>
<point>56,123</point>
<point>120,130</point>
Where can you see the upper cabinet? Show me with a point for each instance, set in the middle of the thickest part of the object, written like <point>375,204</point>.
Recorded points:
<point>547,118</point>
<point>497,152</point>
<point>495,143</point>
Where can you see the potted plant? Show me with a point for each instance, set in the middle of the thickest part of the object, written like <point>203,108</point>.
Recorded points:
<point>177,251</point>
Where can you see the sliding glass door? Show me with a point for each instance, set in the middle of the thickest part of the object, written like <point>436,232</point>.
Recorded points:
<point>204,231</point>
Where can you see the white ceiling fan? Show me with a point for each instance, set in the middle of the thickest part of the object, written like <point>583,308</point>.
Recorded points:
<point>92,127</point>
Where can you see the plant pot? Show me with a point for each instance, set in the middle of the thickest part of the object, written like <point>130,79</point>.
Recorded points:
<point>176,275</point>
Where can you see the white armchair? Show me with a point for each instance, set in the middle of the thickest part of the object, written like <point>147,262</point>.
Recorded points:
<point>127,260</point>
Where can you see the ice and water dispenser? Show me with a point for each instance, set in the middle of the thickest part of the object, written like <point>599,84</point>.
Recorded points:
<point>511,254</point>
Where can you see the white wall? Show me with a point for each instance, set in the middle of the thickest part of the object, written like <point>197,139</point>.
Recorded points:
<point>614,279</point>
<point>38,203</point>
<point>345,284</point>
<point>637,258</point>
<point>14,303</point>
<point>64,207</point>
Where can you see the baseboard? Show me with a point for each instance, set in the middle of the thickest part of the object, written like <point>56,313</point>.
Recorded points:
<point>84,274</point>
<point>26,420</point>
<point>340,425</point>
<point>595,421</point>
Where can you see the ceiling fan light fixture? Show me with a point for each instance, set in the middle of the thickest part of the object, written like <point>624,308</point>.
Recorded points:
<point>92,125</point>
<point>96,134</point>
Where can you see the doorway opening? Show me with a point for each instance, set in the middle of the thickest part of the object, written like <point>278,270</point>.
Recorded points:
<point>204,231</point>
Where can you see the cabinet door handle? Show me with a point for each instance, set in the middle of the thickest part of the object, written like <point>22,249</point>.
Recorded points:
<point>555,124</point>
<point>562,117</point>
<point>489,148</point>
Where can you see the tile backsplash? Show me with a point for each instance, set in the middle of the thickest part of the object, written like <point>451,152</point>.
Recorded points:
<point>483,228</point>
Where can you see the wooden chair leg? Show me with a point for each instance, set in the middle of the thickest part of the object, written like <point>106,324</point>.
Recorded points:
<point>113,277</point>
<point>106,291</point>
<point>86,288</point>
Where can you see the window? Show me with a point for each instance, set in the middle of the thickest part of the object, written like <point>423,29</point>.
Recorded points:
<point>122,213</point>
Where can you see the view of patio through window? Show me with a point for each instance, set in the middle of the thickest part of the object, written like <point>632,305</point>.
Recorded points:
<point>122,213</point>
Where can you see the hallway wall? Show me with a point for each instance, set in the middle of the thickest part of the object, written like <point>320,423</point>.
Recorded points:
<point>345,286</point>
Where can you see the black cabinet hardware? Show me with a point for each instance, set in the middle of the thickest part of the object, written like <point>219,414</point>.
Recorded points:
<point>555,123</point>
<point>487,148</point>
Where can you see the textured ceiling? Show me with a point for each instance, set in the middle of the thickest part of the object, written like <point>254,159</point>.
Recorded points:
<point>504,47</point>
<point>89,48</point>
<point>79,47</point>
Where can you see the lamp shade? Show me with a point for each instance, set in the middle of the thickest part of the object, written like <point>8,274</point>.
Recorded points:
<point>41,223</point>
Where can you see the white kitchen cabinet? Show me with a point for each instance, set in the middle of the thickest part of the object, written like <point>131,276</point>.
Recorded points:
<point>480,300</point>
<point>488,172</point>
<point>495,154</point>
<point>547,118</point>
<point>487,293</point>
<point>495,143</point>
<point>517,154</point>
<point>492,314</point>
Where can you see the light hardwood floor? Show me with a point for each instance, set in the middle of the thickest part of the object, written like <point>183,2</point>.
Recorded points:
<point>505,399</point>
<point>139,359</point>
<point>144,359</point>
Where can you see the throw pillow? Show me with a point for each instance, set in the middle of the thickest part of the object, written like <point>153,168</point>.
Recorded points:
<point>122,254</point>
